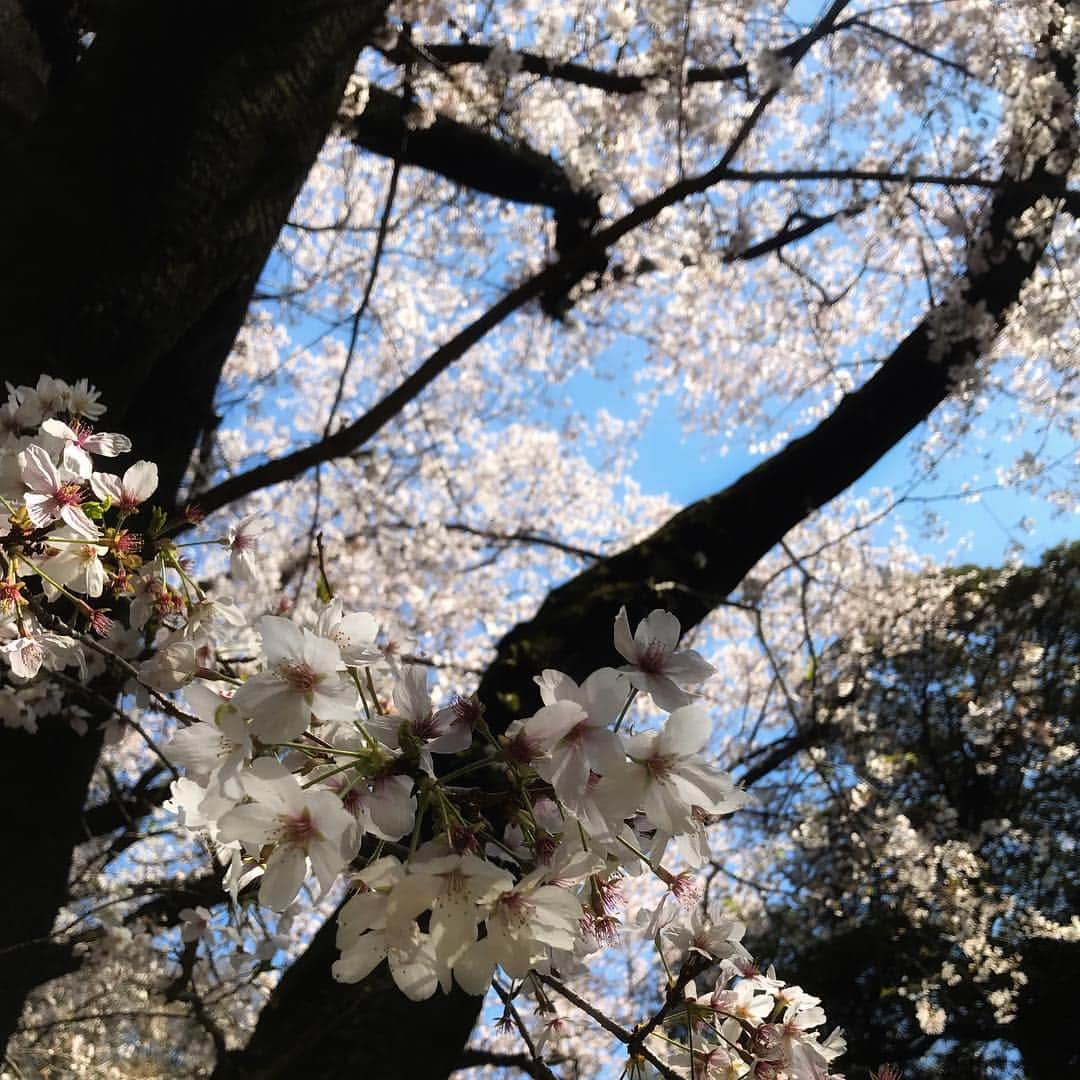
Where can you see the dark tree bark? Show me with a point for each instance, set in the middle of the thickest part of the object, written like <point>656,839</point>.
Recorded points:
<point>1050,1048</point>
<point>509,170</point>
<point>368,1030</point>
<point>146,180</point>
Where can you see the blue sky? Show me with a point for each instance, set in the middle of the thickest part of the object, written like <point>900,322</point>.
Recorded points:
<point>691,465</point>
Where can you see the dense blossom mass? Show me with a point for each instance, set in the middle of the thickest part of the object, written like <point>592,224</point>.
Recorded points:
<point>314,758</point>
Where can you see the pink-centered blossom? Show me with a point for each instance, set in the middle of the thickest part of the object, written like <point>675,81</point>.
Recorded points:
<point>656,667</point>
<point>138,483</point>
<point>415,721</point>
<point>354,634</point>
<point>54,492</point>
<point>693,931</point>
<point>74,562</point>
<point>366,936</point>
<point>381,805</point>
<point>242,540</point>
<point>573,730</point>
<point>302,826</point>
<point>667,776</point>
<point>304,674</point>
<point>80,441</point>
<point>524,924</point>
<point>454,888</point>
<point>25,655</point>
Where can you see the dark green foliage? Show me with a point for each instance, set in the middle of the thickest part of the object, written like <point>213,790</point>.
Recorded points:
<point>960,724</point>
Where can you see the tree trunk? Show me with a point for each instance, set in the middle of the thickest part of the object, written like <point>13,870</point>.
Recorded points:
<point>148,180</point>
<point>1049,1046</point>
<point>317,1028</point>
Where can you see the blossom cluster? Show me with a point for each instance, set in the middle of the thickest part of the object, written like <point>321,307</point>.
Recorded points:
<point>67,538</point>
<point>473,851</point>
<point>754,1025</point>
<point>329,751</point>
<point>329,759</point>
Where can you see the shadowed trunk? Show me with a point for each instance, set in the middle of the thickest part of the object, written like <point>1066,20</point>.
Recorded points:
<point>150,174</point>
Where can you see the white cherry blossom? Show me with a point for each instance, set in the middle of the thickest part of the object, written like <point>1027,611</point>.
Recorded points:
<point>454,889</point>
<point>304,674</point>
<point>366,937</point>
<point>656,666</point>
<point>80,441</point>
<point>242,540</point>
<point>524,923</point>
<point>175,664</point>
<point>214,750</point>
<point>417,723</point>
<point>75,562</point>
<point>54,492</point>
<point>355,634</point>
<point>301,825</point>
<point>130,491</point>
<point>573,730</point>
<point>25,654</point>
<point>668,777</point>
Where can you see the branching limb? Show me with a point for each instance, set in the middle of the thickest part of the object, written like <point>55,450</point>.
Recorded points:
<point>476,159</point>
<point>561,276</point>
<point>452,54</point>
<point>472,1057</point>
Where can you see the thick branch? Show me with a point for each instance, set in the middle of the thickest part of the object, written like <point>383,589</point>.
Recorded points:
<point>1035,185</point>
<point>561,277</point>
<point>472,1057</point>
<point>164,909</point>
<point>107,817</point>
<point>369,1029</point>
<point>477,160</point>
<point>789,234</point>
<point>451,54</point>
<point>783,750</point>
<point>692,562</point>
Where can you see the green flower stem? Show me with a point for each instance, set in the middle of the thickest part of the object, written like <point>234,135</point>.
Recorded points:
<point>626,705</point>
<point>325,776</point>
<point>640,854</point>
<point>471,767</point>
<point>77,601</point>
<point>421,810</point>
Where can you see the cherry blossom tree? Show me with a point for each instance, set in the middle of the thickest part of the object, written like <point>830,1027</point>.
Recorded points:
<point>823,229</point>
<point>929,848</point>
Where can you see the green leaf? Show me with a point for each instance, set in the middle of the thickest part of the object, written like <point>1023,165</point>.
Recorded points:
<point>158,520</point>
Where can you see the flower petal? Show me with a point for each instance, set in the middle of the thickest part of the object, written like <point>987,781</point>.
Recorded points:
<point>285,873</point>
<point>361,958</point>
<point>687,730</point>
